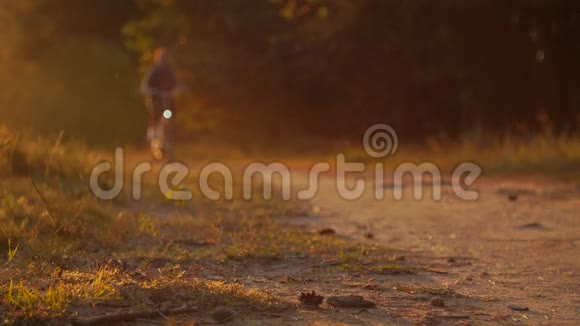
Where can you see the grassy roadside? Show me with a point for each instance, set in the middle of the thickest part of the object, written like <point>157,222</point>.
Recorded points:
<point>67,255</point>
<point>543,154</point>
<point>81,257</point>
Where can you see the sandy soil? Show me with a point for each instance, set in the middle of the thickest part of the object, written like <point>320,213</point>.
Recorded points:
<point>510,257</point>
<point>494,252</point>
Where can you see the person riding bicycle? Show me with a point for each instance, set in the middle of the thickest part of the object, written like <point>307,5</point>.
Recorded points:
<point>160,87</point>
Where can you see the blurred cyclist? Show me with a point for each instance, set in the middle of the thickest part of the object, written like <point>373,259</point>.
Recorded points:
<point>160,87</point>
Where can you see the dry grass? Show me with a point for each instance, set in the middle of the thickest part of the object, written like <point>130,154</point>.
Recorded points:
<point>85,257</point>
<point>66,254</point>
<point>521,150</point>
<point>543,154</point>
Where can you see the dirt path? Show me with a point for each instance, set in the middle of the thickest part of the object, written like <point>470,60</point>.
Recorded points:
<point>509,257</point>
<point>495,251</point>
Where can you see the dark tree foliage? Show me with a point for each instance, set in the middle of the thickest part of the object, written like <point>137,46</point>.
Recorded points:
<point>330,68</point>
<point>333,67</point>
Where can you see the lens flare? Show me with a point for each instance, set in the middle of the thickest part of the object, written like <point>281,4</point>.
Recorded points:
<point>167,114</point>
